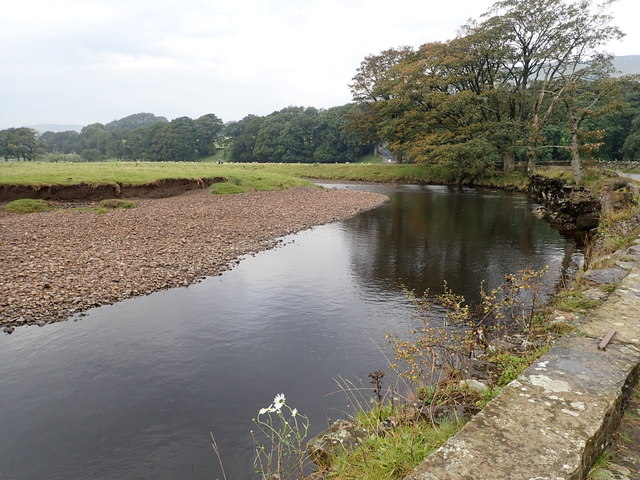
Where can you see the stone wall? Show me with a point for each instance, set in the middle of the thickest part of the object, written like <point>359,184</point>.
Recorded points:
<point>567,207</point>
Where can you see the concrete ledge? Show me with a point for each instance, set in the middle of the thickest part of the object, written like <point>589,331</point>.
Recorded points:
<point>555,419</point>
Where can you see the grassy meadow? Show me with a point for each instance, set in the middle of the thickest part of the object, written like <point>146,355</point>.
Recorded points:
<point>263,176</point>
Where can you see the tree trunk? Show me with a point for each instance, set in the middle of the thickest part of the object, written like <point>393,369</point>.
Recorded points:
<point>532,158</point>
<point>534,137</point>
<point>508,161</point>
<point>575,156</point>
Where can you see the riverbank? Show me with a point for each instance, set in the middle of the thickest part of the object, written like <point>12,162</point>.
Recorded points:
<point>25,179</point>
<point>63,263</point>
<point>558,416</point>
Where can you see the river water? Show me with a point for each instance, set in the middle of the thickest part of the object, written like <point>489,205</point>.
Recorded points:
<point>133,390</point>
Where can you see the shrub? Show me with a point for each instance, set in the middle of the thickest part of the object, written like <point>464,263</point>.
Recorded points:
<point>28,205</point>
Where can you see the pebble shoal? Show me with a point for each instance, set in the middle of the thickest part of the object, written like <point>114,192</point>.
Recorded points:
<point>55,265</point>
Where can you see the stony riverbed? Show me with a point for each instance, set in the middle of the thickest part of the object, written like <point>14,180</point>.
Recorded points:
<point>58,264</point>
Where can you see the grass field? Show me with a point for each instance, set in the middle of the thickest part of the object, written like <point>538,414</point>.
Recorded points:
<point>263,176</point>
<point>34,173</point>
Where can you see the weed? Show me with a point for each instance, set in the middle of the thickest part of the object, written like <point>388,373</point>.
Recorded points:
<point>279,451</point>
<point>599,471</point>
<point>216,450</point>
<point>28,205</point>
<point>376,381</point>
<point>395,454</point>
<point>430,359</point>
<point>624,437</point>
<point>558,329</point>
<point>574,301</point>
<point>617,229</point>
<point>487,395</point>
<point>510,365</point>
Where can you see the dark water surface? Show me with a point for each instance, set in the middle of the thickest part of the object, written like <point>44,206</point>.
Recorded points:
<point>132,390</point>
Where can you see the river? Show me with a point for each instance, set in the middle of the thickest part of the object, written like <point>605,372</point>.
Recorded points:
<point>133,390</point>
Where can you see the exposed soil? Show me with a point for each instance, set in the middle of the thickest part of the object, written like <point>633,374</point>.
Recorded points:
<point>88,191</point>
<point>56,264</point>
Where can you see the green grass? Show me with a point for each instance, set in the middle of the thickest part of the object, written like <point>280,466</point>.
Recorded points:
<point>511,365</point>
<point>599,470</point>
<point>135,173</point>
<point>28,205</point>
<point>116,203</point>
<point>395,454</point>
<point>216,157</point>
<point>227,188</point>
<point>371,159</point>
<point>574,301</point>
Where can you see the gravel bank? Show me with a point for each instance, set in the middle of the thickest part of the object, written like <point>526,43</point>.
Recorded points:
<point>61,263</point>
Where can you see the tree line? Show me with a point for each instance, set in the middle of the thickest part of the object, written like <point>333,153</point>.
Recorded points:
<point>142,136</point>
<point>528,80</point>
<point>293,134</point>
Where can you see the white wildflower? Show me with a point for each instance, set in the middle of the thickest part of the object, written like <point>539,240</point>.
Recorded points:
<point>278,402</point>
<point>294,412</point>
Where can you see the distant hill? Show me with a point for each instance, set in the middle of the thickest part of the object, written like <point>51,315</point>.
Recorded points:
<point>55,127</point>
<point>627,64</point>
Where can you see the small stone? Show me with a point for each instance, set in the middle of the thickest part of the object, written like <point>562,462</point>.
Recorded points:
<point>605,276</point>
<point>595,294</point>
<point>625,265</point>
<point>474,385</point>
<point>342,435</point>
<point>389,424</point>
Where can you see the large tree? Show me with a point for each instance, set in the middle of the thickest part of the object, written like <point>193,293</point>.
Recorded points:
<point>60,142</point>
<point>294,134</point>
<point>498,84</point>
<point>19,143</point>
<point>585,99</point>
<point>208,129</point>
<point>551,44</point>
<point>95,142</point>
<point>176,141</point>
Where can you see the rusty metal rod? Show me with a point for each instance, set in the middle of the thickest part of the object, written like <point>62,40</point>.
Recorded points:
<point>606,339</point>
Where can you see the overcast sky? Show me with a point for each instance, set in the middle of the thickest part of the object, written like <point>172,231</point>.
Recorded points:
<point>82,61</point>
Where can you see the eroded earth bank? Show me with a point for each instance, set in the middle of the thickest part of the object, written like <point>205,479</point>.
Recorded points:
<point>60,263</point>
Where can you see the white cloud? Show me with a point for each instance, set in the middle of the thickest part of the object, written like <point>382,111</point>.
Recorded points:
<point>79,61</point>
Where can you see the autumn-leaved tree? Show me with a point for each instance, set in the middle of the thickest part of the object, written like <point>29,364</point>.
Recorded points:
<point>588,98</point>
<point>550,44</point>
<point>491,91</point>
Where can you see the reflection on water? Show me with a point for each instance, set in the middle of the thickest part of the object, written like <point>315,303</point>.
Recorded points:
<point>428,235</point>
<point>133,390</point>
